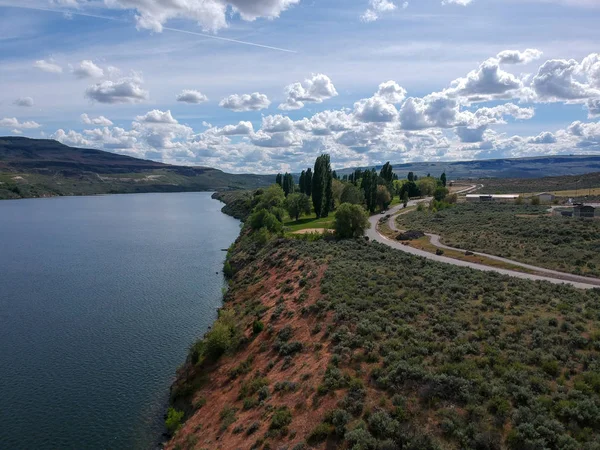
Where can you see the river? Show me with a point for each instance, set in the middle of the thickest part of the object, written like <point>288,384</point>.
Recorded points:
<point>100,298</point>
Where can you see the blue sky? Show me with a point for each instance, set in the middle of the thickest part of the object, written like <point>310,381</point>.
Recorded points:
<point>365,80</point>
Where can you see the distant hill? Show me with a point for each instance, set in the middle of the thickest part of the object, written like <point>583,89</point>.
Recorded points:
<point>537,167</point>
<point>44,168</point>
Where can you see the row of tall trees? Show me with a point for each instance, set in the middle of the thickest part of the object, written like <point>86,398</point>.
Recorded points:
<point>286,182</point>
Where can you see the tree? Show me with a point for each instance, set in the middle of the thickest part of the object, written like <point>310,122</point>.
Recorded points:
<point>322,186</point>
<point>405,199</point>
<point>308,182</point>
<point>387,173</point>
<point>427,186</point>
<point>411,176</point>
<point>352,194</point>
<point>337,188</point>
<point>279,179</point>
<point>350,221</point>
<point>272,197</point>
<point>383,197</point>
<point>334,175</point>
<point>302,182</point>
<point>264,218</point>
<point>440,193</point>
<point>369,187</point>
<point>288,184</point>
<point>297,204</point>
<point>411,188</point>
<point>443,179</point>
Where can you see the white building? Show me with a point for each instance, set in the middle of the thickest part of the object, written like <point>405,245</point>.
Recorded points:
<point>546,197</point>
<point>499,198</point>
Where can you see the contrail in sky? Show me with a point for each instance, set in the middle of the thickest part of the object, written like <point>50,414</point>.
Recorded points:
<point>176,30</point>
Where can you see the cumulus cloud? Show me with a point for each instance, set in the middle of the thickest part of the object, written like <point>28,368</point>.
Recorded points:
<point>391,92</point>
<point>87,69</point>
<point>100,120</point>
<point>593,107</point>
<point>125,90</point>
<point>211,15</point>
<point>246,102</point>
<point>486,83</point>
<point>243,128</point>
<point>276,140</point>
<point>543,138</point>
<point>555,81</point>
<point>191,96</point>
<point>276,124</point>
<point>157,116</point>
<point>376,8</point>
<point>517,57</point>
<point>13,122</point>
<point>24,101</point>
<point>375,109</point>
<point>48,66</point>
<point>312,90</point>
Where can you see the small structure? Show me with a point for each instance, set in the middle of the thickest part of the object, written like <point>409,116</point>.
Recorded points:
<point>580,210</point>
<point>483,198</point>
<point>546,197</point>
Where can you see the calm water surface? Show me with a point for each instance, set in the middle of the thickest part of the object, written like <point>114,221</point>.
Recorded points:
<point>100,297</point>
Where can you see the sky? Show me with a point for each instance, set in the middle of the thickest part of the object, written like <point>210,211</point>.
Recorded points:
<point>264,86</point>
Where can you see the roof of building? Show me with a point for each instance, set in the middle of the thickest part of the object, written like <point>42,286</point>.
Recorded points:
<point>493,195</point>
<point>546,193</point>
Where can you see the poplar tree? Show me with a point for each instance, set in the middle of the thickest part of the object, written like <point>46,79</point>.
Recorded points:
<point>301,182</point>
<point>279,180</point>
<point>308,182</point>
<point>322,193</point>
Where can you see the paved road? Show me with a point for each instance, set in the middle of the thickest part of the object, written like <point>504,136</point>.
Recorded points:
<point>574,280</point>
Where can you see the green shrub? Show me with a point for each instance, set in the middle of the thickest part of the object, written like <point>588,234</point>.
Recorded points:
<point>257,326</point>
<point>282,418</point>
<point>173,420</point>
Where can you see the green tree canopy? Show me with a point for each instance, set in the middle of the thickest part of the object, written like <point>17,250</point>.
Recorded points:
<point>297,204</point>
<point>352,194</point>
<point>322,194</point>
<point>350,221</point>
<point>443,179</point>
<point>383,197</point>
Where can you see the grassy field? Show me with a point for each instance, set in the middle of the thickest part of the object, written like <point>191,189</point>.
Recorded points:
<point>352,345</point>
<point>579,183</point>
<point>308,222</point>
<point>523,233</point>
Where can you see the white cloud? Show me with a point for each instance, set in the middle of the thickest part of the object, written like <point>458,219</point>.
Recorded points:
<point>543,138</point>
<point>376,7</point>
<point>471,135</point>
<point>391,92</point>
<point>456,2</point>
<point>243,128</point>
<point>48,66</point>
<point>486,83</point>
<point>13,122</point>
<point>211,15</point>
<point>101,120</point>
<point>191,96</point>
<point>157,116</point>
<point>87,69</point>
<point>278,123</point>
<point>276,140</point>
<point>312,90</point>
<point>375,109</point>
<point>593,107</point>
<point>71,138</point>
<point>555,81</point>
<point>590,66</point>
<point>24,101</point>
<point>517,57</point>
<point>125,90</point>
<point>246,102</point>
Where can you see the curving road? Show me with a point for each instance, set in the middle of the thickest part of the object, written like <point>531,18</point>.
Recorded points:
<point>550,275</point>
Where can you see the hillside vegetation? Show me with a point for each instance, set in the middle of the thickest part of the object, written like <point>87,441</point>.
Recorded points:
<point>524,233</point>
<point>580,184</point>
<point>45,168</point>
<point>352,345</point>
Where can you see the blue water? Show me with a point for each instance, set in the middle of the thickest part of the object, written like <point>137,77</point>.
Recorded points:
<point>100,298</point>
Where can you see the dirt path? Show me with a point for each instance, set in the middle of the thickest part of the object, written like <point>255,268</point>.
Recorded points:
<point>548,275</point>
